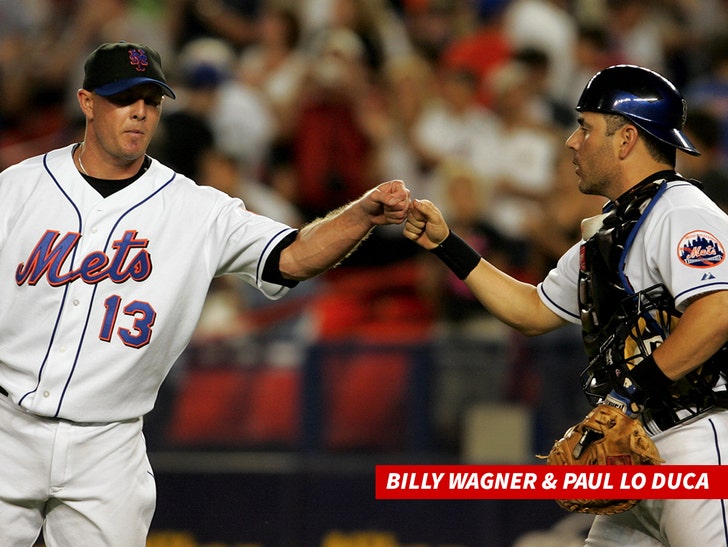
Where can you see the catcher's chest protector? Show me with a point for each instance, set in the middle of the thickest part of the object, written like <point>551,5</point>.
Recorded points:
<point>602,286</point>
<point>621,326</point>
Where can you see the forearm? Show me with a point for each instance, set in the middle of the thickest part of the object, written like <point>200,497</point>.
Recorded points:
<point>514,302</point>
<point>325,242</point>
<point>701,331</point>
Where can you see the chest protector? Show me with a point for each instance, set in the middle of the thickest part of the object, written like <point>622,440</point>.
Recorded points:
<point>620,327</point>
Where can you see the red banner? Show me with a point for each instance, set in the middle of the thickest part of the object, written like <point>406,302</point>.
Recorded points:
<point>551,482</point>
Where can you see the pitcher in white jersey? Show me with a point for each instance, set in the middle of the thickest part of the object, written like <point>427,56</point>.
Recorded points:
<point>106,257</point>
<point>648,284</point>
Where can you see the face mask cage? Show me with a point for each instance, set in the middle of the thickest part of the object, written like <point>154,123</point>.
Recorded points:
<point>641,323</point>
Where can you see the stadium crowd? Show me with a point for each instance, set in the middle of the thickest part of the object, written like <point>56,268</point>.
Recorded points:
<point>298,106</point>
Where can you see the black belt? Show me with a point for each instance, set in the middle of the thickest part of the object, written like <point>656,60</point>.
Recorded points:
<point>3,391</point>
<point>664,419</point>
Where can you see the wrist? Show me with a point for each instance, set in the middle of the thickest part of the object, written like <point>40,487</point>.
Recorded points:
<point>623,403</point>
<point>356,216</point>
<point>649,377</point>
<point>457,255</point>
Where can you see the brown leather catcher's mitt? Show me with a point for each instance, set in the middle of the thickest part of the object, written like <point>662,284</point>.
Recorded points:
<point>607,436</point>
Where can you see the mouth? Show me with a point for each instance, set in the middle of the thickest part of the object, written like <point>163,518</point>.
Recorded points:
<point>135,136</point>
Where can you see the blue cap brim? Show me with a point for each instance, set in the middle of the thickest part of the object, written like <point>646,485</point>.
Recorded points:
<point>122,85</point>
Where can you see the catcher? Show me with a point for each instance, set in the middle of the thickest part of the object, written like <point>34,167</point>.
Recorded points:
<point>648,284</point>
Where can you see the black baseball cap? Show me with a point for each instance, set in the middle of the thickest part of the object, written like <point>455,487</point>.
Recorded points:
<point>115,67</point>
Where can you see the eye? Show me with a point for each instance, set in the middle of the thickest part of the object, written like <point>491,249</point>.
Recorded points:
<point>154,100</point>
<point>122,99</point>
<point>126,98</point>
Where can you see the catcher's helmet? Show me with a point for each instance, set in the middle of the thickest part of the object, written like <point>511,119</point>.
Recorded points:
<point>646,98</point>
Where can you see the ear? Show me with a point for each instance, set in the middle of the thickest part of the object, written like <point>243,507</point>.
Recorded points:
<point>629,136</point>
<point>86,102</point>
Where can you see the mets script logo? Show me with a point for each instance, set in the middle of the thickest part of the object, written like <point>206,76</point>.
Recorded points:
<point>700,250</point>
<point>138,59</point>
<point>51,253</point>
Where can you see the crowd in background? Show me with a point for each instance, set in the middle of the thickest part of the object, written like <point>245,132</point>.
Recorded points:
<point>298,106</point>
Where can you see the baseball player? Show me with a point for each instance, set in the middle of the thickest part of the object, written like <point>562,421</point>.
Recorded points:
<point>106,256</point>
<point>648,283</point>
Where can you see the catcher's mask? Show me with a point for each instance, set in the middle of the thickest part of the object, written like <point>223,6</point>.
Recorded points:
<point>646,98</point>
<point>640,324</point>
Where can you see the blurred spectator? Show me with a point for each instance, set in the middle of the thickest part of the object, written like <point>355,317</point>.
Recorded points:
<point>457,126</point>
<point>390,28</point>
<point>359,17</point>
<point>546,106</point>
<point>678,41</point>
<point>638,31</point>
<point>481,49</point>
<point>702,23</point>
<point>16,24</point>
<point>709,91</point>
<point>279,171</point>
<point>545,25</point>
<point>407,89</point>
<point>705,19</point>
<point>332,154</point>
<point>231,20</point>
<point>240,119</point>
<point>430,26</point>
<point>704,130</point>
<point>314,15</point>
<point>275,66</point>
<point>180,141</point>
<point>526,152</point>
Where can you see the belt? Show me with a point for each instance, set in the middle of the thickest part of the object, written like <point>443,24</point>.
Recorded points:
<point>659,420</point>
<point>3,391</point>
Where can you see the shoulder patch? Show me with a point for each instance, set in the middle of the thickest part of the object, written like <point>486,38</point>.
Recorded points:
<point>700,249</point>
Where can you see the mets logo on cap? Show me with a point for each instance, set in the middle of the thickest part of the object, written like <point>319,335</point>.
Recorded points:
<point>700,249</point>
<point>138,59</point>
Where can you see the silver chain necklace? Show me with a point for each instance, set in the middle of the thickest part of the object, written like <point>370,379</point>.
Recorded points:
<point>80,163</point>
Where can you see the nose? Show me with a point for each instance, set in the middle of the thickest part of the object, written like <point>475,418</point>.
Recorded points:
<point>571,142</point>
<point>138,110</point>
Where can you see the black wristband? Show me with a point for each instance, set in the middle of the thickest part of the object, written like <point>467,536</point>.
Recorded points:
<point>650,378</point>
<point>457,255</point>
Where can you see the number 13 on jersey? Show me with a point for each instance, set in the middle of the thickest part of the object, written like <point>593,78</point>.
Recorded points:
<point>143,317</point>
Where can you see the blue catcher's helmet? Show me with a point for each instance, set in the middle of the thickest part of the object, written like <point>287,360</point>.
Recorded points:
<point>646,98</point>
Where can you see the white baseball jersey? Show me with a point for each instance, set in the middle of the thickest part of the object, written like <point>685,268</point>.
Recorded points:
<point>100,296</point>
<point>681,243</point>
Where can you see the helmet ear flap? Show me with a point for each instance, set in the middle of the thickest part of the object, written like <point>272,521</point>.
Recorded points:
<point>646,98</point>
